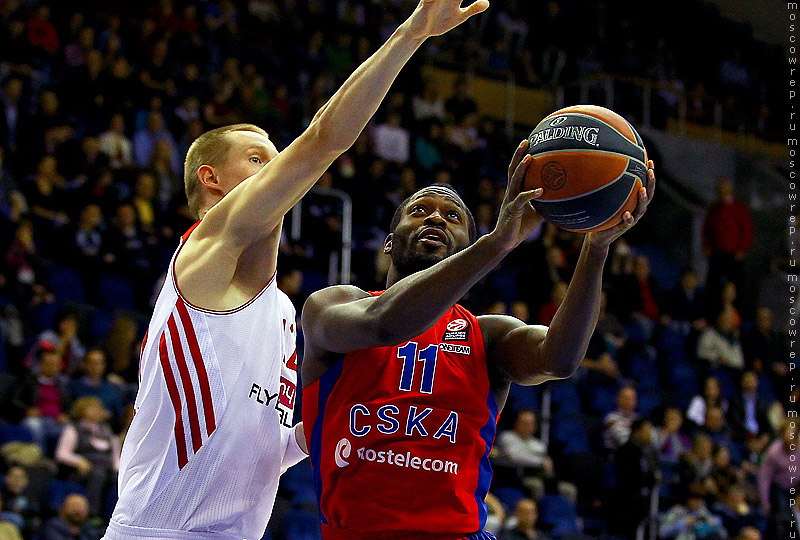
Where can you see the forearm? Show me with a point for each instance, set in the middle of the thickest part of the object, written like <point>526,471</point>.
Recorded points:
<point>414,304</point>
<point>341,120</point>
<point>573,324</point>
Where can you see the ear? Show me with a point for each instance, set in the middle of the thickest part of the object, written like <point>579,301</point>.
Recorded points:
<point>387,244</point>
<point>208,177</point>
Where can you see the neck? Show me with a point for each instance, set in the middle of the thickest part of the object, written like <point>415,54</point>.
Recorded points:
<point>393,276</point>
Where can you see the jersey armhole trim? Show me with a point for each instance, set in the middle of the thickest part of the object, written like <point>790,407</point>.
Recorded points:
<point>208,311</point>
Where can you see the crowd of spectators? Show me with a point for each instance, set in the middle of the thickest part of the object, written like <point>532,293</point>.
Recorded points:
<point>680,389</point>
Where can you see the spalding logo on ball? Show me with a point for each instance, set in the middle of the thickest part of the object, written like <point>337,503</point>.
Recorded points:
<point>591,163</point>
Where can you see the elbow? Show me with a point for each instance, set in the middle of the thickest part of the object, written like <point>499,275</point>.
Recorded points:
<point>329,138</point>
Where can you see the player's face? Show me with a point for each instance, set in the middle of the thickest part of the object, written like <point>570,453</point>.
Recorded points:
<point>248,153</point>
<point>433,226</point>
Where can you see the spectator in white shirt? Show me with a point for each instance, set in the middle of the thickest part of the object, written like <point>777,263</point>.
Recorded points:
<point>520,447</point>
<point>617,424</point>
<point>720,345</point>
<point>391,141</point>
<point>115,145</point>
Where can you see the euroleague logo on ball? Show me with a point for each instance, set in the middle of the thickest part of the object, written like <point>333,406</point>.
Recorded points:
<point>456,325</point>
<point>553,175</point>
<point>558,121</point>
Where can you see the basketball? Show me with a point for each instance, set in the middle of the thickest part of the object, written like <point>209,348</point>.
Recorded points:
<point>591,163</point>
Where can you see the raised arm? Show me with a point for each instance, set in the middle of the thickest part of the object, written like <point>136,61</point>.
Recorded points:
<point>255,207</point>
<point>534,354</point>
<point>342,319</point>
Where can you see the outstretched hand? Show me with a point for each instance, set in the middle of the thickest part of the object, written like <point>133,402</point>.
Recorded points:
<point>435,17</point>
<point>517,219</point>
<point>604,238</point>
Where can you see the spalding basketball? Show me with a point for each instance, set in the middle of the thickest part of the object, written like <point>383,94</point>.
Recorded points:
<point>591,163</point>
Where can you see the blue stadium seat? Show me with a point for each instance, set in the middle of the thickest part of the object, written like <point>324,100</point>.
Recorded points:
<point>603,398</point>
<point>65,284</point>
<point>14,432</point>
<point>116,292</point>
<point>301,525</point>
<point>571,432</point>
<point>564,396</point>
<point>727,384</point>
<point>643,368</point>
<point>58,490</point>
<point>99,323</point>
<point>766,391</point>
<point>649,401</point>
<point>523,397</point>
<point>558,515</point>
<point>509,496</point>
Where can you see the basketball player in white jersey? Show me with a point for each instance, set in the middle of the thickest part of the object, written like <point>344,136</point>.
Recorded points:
<point>212,431</point>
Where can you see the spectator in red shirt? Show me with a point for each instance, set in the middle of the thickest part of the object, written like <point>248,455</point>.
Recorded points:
<point>727,236</point>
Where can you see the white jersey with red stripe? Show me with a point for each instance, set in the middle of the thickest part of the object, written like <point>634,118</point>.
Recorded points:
<point>212,429</point>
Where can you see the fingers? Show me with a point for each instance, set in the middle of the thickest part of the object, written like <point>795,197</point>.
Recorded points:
<point>515,183</point>
<point>479,6</point>
<point>521,200</point>
<point>518,155</point>
<point>651,180</point>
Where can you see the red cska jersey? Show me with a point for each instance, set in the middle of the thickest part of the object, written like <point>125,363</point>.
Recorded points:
<point>399,437</point>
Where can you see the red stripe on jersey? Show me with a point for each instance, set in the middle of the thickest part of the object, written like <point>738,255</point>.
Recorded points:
<point>186,380</point>
<point>187,233</point>
<point>141,353</point>
<point>292,363</point>
<point>199,365</point>
<point>172,388</point>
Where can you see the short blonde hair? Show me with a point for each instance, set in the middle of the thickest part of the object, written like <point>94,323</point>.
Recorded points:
<point>81,404</point>
<point>210,148</point>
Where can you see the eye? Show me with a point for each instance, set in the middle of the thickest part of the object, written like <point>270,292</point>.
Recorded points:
<point>454,215</point>
<point>256,159</point>
<point>418,208</point>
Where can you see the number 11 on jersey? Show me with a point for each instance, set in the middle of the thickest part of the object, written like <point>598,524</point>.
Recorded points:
<point>427,356</point>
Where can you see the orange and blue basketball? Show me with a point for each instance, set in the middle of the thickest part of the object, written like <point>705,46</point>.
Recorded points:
<point>591,163</point>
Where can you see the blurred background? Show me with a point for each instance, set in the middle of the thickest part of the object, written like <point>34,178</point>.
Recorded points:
<point>672,428</point>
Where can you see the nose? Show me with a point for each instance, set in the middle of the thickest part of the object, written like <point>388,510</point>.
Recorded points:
<point>435,218</point>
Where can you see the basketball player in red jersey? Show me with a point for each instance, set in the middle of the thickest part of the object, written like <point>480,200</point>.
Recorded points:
<point>403,388</point>
<point>213,425</point>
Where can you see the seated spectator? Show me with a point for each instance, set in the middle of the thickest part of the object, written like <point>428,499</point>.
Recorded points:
<point>496,515</point>
<point>8,530</point>
<point>391,141</point>
<point>94,383</point>
<point>548,310</point>
<point>636,467</point>
<point>20,505</point>
<point>734,510</point>
<point>144,201</point>
<point>712,397</point>
<point>724,473</point>
<point>44,398</point>
<point>427,104</point>
<point>719,345</point>
<point>671,442</point>
<point>523,526</point>
<point>686,302</point>
<point>72,521</point>
<point>749,533</point>
<point>90,450</point>
<point>617,424</point>
<point>726,302</point>
<point>749,414</point>
<point>115,145</point>
<point>519,446</point>
<point>696,467</point>
<point>692,520</point>
<point>65,341</point>
<point>716,428</point>
<point>765,350</point>
<point>144,141</point>
<point>776,479</point>
<point>428,146</point>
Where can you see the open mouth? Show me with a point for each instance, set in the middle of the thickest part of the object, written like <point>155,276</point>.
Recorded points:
<point>433,236</point>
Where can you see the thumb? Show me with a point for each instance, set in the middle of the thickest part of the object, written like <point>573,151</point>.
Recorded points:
<point>479,6</point>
